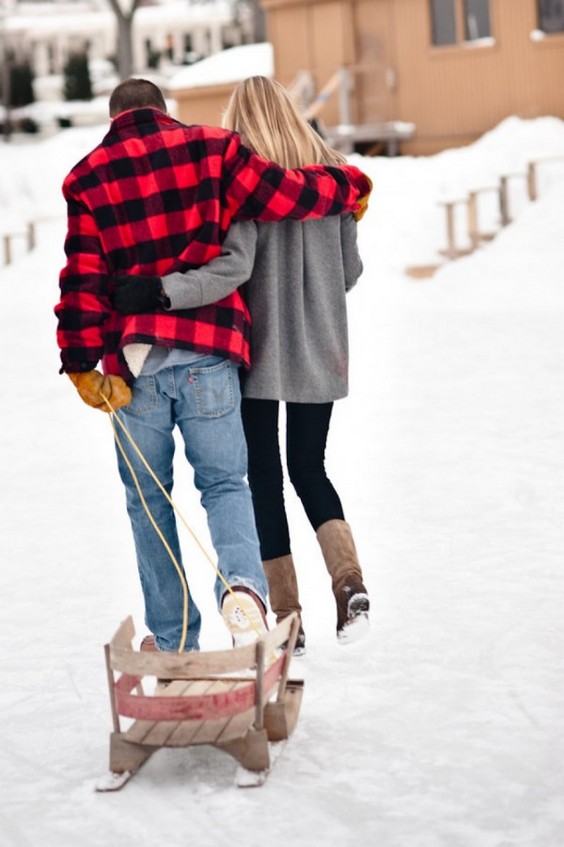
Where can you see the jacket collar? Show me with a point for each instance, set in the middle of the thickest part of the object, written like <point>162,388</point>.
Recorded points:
<point>141,120</point>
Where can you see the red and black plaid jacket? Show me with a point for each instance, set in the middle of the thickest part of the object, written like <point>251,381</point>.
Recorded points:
<point>156,197</point>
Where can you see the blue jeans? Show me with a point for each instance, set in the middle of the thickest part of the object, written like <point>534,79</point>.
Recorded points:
<point>203,400</point>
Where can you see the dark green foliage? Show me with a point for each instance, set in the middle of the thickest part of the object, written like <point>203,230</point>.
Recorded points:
<point>77,85</point>
<point>21,84</point>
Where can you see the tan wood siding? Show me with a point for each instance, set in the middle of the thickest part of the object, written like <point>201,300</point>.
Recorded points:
<point>289,32</point>
<point>203,105</point>
<point>453,94</point>
<point>314,36</point>
<point>375,71</point>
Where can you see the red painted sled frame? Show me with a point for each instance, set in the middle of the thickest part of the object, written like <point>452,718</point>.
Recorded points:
<point>232,699</point>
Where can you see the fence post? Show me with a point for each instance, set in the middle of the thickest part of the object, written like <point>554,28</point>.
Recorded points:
<point>451,250</point>
<point>532,180</point>
<point>7,249</point>
<point>31,240</point>
<point>504,200</point>
<point>472,208</point>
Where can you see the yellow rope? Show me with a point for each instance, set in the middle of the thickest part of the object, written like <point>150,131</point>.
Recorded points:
<point>113,418</point>
<point>166,545</point>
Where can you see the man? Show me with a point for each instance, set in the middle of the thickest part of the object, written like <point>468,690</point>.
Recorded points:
<point>153,198</point>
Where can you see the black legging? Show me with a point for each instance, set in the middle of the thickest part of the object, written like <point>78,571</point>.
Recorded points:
<point>307,426</point>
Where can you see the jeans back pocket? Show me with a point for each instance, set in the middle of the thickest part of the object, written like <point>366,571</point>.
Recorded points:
<point>215,394</point>
<point>143,396</point>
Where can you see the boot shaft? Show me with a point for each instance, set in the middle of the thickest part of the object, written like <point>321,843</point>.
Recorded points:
<point>351,598</point>
<point>282,586</point>
<point>339,552</point>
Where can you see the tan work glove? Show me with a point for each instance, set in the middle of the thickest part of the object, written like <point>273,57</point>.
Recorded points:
<point>362,203</point>
<point>91,385</point>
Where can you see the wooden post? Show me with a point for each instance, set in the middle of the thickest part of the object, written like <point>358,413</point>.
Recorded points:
<point>31,239</point>
<point>289,651</point>
<point>110,673</point>
<point>7,249</point>
<point>259,687</point>
<point>344,97</point>
<point>451,250</point>
<point>504,200</point>
<point>532,181</point>
<point>532,174</point>
<point>472,209</point>
<point>324,95</point>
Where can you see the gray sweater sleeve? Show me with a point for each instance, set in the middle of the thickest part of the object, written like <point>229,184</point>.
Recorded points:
<point>352,262</point>
<point>219,277</point>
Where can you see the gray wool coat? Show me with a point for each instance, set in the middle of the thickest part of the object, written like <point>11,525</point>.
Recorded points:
<point>296,275</point>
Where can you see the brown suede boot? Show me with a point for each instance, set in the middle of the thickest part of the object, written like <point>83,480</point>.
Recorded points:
<point>339,551</point>
<point>283,593</point>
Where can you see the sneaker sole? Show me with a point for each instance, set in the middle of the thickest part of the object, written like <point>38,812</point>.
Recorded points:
<point>248,626</point>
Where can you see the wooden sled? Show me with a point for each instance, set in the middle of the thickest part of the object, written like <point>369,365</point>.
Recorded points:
<point>232,699</point>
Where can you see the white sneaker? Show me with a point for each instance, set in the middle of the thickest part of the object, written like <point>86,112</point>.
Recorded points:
<point>244,618</point>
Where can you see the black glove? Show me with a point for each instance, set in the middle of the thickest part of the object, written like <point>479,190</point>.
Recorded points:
<point>135,294</point>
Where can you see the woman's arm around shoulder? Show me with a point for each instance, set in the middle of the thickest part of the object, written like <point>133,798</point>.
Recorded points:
<point>219,277</point>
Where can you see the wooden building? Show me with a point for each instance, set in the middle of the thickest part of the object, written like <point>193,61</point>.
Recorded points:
<point>453,68</point>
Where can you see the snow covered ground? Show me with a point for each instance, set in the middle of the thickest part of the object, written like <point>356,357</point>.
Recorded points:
<point>444,728</point>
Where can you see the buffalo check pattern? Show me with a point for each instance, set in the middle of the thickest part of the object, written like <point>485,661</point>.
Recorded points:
<point>157,196</point>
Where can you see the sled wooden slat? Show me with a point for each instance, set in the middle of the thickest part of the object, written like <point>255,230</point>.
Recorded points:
<point>230,698</point>
<point>186,733</point>
<point>142,729</point>
<point>226,730</point>
<point>180,666</point>
<point>185,665</point>
<point>227,699</point>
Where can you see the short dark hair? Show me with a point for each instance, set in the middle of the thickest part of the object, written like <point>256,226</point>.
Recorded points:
<point>136,94</point>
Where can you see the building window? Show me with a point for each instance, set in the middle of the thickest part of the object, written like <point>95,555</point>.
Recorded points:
<point>454,21</point>
<point>551,15</point>
<point>444,21</point>
<point>477,19</point>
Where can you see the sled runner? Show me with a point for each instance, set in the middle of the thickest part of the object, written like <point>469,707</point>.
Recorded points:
<point>240,701</point>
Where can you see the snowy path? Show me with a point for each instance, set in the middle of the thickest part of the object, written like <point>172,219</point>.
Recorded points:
<point>442,729</point>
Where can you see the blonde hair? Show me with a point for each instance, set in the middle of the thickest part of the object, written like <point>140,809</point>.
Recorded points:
<point>263,113</point>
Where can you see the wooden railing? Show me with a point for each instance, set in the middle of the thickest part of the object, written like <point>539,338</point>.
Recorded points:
<point>474,235</point>
<point>23,230</point>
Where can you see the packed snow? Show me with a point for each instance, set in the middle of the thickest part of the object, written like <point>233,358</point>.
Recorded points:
<point>443,728</point>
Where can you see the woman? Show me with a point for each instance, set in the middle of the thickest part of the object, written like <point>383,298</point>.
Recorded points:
<point>298,274</point>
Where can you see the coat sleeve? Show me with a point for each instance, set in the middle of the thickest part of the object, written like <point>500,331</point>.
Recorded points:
<point>256,189</point>
<point>83,307</point>
<point>352,262</point>
<point>220,276</point>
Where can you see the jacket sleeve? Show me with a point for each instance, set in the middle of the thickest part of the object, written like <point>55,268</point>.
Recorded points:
<point>220,276</point>
<point>83,307</point>
<point>257,189</point>
<point>352,262</point>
